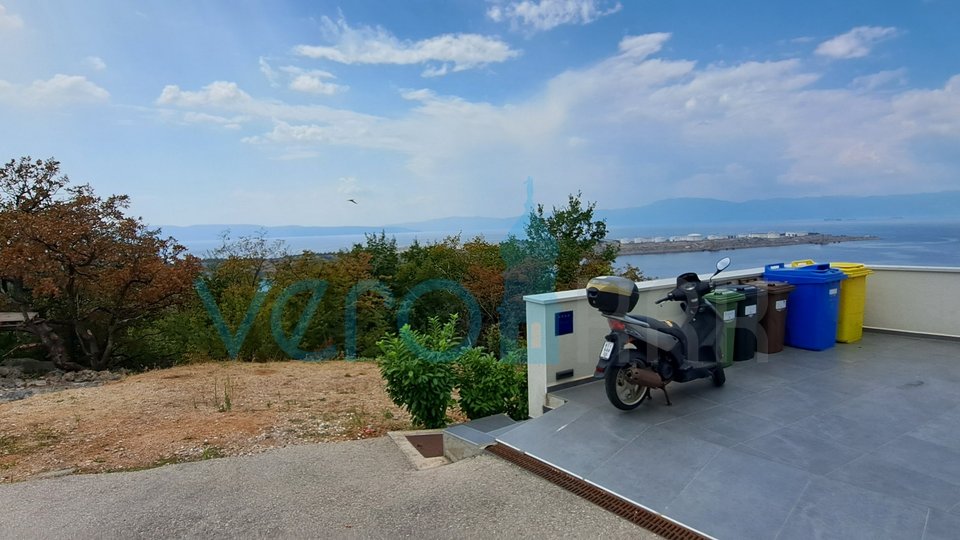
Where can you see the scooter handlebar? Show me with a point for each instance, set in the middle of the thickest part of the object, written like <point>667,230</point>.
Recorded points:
<point>679,295</point>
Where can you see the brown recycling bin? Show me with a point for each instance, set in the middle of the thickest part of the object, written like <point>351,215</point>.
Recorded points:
<point>774,315</point>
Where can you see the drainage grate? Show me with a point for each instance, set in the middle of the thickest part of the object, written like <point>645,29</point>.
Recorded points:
<point>651,521</point>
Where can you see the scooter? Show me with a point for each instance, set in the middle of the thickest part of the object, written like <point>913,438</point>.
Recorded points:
<point>642,352</point>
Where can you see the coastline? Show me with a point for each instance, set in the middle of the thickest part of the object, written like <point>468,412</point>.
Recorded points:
<point>723,244</point>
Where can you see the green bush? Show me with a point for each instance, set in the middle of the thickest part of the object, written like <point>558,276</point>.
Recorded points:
<point>422,386</point>
<point>489,386</point>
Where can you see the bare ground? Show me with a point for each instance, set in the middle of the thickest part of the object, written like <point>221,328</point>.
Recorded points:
<point>194,412</point>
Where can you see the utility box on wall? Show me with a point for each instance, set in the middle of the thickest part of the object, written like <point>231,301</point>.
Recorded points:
<point>563,323</point>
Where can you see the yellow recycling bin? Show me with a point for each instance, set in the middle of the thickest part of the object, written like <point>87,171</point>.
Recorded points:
<point>853,296</point>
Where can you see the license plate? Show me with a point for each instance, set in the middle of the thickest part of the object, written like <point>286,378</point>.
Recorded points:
<point>607,349</point>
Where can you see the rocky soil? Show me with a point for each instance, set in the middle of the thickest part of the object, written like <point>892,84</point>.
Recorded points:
<point>89,421</point>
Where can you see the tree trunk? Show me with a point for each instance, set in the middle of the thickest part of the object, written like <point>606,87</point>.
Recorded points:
<point>56,348</point>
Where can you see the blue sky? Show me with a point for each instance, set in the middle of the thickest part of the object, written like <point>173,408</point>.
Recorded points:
<point>277,112</point>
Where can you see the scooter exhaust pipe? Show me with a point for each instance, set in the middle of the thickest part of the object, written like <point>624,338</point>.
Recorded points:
<point>644,377</point>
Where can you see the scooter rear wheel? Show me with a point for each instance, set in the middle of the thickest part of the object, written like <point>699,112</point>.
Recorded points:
<point>622,393</point>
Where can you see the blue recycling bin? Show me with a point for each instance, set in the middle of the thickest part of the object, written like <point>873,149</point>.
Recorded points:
<point>814,304</point>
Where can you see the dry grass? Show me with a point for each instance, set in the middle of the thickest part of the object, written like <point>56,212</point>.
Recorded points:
<point>194,412</point>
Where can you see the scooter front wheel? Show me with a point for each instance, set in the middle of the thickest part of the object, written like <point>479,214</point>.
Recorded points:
<point>623,394</point>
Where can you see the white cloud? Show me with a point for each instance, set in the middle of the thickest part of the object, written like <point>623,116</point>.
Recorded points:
<point>375,45</point>
<point>216,94</point>
<point>59,90</point>
<point>311,81</point>
<point>880,79</point>
<point>546,14</point>
<point>634,120</point>
<point>422,94</point>
<point>235,122</point>
<point>268,72</point>
<point>95,63</point>
<point>640,47</point>
<point>326,123</point>
<point>313,85</point>
<point>301,80</point>
<point>9,21</point>
<point>350,185</point>
<point>856,43</point>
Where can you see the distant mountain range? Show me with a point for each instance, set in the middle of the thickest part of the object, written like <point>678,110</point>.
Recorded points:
<point>943,205</point>
<point>669,212</point>
<point>209,232</point>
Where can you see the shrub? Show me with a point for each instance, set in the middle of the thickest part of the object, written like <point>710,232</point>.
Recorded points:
<point>422,386</point>
<point>489,386</point>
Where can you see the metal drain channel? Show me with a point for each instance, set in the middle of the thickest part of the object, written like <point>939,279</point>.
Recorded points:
<point>651,521</point>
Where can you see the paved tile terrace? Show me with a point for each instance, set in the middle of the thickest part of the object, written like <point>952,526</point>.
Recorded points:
<point>859,441</point>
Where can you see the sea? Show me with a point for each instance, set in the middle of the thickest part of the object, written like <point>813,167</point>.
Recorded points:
<point>898,242</point>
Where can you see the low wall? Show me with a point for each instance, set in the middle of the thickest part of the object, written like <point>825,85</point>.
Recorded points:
<point>914,300</point>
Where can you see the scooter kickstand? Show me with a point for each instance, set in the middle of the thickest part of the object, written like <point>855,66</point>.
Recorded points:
<point>666,396</point>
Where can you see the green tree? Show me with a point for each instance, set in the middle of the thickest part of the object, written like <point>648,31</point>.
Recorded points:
<point>579,239</point>
<point>384,255</point>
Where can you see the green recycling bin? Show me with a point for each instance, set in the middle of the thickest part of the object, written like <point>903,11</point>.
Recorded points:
<point>725,302</point>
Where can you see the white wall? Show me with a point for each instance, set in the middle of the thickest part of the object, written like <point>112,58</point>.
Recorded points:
<point>923,300</point>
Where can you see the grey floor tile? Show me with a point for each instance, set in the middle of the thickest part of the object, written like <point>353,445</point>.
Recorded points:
<point>540,428</point>
<point>591,394</point>
<point>470,435</point>
<point>582,445</point>
<point>855,433</point>
<point>929,395</point>
<point>788,404</point>
<point>804,359</point>
<point>733,390</point>
<point>730,425</point>
<point>491,423</point>
<point>880,475</point>
<point>791,372</point>
<point>802,450</point>
<point>896,409</point>
<point>841,381</point>
<point>942,526</point>
<point>943,430</point>
<point>680,427</point>
<point>830,509</point>
<point>747,375</point>
<point>502,431</point>
<point>923,457</point>
<point>740,496</point>
<point>656,411</point>
<point>655,467</point>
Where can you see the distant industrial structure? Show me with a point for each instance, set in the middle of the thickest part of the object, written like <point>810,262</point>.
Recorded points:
<point>717,242</point>
<point>697,237</point>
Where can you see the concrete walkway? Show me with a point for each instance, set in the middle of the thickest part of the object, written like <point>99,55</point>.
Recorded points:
<point>361,489</point>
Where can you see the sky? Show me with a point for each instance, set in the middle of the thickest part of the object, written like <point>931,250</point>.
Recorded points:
<point>277,112</point>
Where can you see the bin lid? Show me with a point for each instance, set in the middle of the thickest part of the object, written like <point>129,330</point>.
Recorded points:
<point>852,270</point>
<point>774,287</point>
<point>802,262</point>
<point>815,273</point>
<point>749,290</point>
<point>724,297</point>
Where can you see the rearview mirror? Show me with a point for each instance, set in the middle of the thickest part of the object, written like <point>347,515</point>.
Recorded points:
<point>722,264</point>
